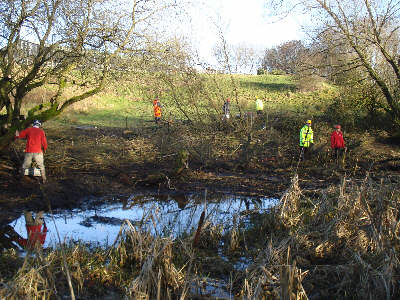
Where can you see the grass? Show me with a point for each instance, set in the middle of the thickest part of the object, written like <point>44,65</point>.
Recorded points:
<point>108,111</point>
<point>120,106</point>
<point>267,84</point>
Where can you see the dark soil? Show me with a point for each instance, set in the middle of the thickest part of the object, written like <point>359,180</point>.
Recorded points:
<point>83,162</point>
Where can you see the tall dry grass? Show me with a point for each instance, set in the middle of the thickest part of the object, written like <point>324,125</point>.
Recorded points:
<point>341,245</point>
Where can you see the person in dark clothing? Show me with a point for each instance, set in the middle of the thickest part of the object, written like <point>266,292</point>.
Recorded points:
<point>226,109</point>
<point>338,145</point>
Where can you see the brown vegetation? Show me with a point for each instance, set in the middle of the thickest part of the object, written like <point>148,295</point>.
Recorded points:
<point>334,233</point>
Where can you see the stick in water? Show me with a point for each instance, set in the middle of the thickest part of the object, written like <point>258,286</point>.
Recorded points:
<point>201,221</point>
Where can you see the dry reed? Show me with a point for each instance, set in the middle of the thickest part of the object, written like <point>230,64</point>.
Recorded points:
<point>346,242</point>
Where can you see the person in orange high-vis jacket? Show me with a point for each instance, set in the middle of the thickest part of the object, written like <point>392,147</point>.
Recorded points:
<point>157,110</point>
<point>36,229</point>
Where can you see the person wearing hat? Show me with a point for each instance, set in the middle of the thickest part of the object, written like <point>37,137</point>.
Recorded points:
<point>337,144</point>
<point>226,109</point>
<point>36,145</point>
<point>306,138</point>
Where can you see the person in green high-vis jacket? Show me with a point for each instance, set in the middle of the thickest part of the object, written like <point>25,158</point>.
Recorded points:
<point>306,138</point>
<point>259,106</point>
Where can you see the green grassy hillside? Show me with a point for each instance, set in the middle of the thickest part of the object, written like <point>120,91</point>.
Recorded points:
<point>129,103</point>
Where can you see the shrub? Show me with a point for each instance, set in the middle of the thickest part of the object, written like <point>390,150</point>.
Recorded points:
<point>261,71</point>
<point>277,72</point>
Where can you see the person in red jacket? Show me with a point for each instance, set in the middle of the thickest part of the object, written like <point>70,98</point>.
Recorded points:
<point>337,144</point>
<point>36,230</point>
<point>36,145</point>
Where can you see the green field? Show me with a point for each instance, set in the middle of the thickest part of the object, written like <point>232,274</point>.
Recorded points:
<point>119,106</point>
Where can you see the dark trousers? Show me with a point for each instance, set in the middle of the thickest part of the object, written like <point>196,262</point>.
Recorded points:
<point>339,155</point>
<point>304,153</point>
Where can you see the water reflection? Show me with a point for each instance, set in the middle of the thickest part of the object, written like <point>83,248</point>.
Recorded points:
<point>165,215</point>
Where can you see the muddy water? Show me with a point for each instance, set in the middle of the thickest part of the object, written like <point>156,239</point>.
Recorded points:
<point>165,215</point>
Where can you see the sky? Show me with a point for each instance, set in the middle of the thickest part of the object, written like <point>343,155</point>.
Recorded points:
<point>242,22</point>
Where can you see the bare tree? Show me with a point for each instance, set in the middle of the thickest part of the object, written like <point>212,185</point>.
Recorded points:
<point>61,43</point>
<point>244,58</point>
<point>286,57</point>
<point>238,58</point>
<point>368,31</point>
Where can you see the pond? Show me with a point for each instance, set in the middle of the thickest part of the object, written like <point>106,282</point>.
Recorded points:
<point>165,215</point>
